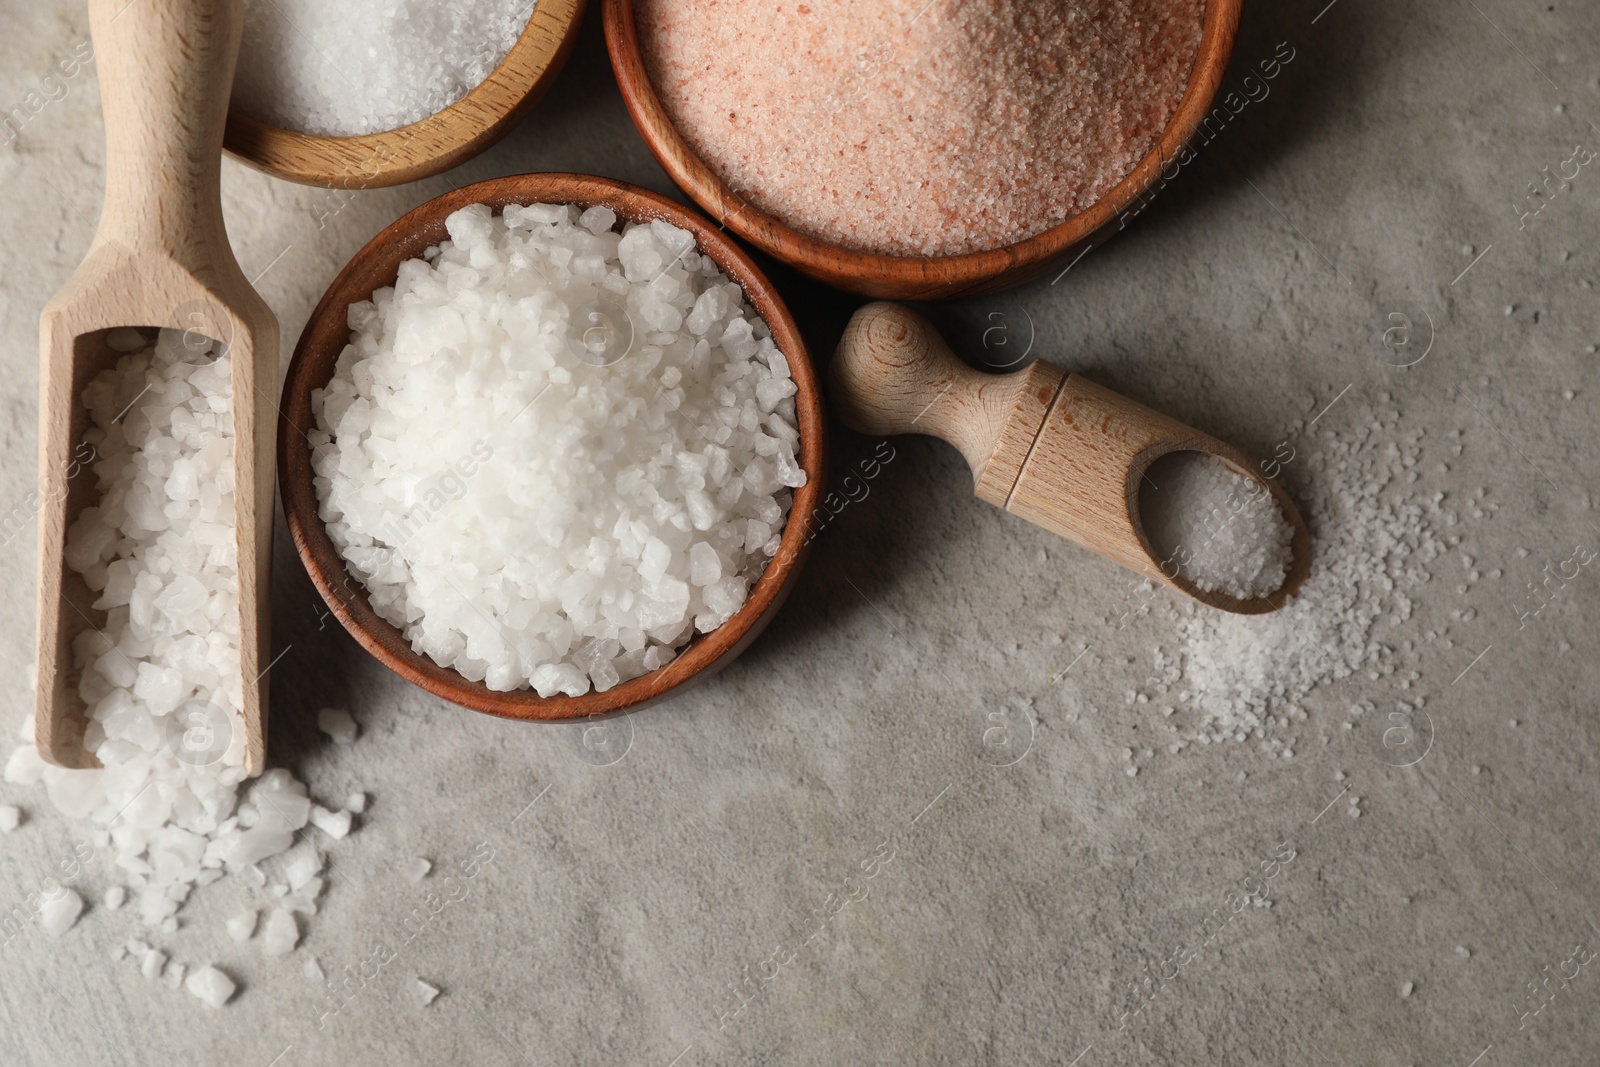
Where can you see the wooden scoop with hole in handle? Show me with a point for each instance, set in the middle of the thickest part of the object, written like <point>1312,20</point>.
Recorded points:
<point>160,258</point>
<point>1052,447</point>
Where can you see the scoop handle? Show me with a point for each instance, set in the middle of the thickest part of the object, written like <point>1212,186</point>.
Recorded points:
<point>892,373</point>
<point>166,73</point>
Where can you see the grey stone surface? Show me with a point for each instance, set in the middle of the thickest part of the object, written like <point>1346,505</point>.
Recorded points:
<point>830,798</point>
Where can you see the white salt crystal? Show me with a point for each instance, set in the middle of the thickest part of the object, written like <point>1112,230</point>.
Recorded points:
<point>313,970</point>
<point>154,961</point>
<point>114,897</point>
<point>174,975</point>
<point>211,986</point>
<point>241,926</point>
<point>338,724</point>
<point>643,496</point>
<point>356,802</point>
<point>1218,528</point>
<point>425,993</point>
<point>336,824</point>
<point>10,818</point>
<point>59,910</point>
<point>279,935</point>
<point>418,869</point>
<point>302,867</point>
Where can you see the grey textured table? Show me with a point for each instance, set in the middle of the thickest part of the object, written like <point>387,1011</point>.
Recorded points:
<point>823,826</point>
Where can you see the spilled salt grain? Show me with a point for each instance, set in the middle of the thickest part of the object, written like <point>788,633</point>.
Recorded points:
<point>59,910</point>
<point>361,66</point>
<point>114,897</point>
<point>154,961</point>
<point>173,975</point>
<point>337,724</point>
<point>280,933</point>
<point>1215,526</point>
<point>240,927</point>
<point>336,824</point>
<point>418,869</point>
<point>313,970</point>
<point>544,448</point>
<point>425,993</point>
<point>211,986</point>
<point>10,818</point>
<point>356,802</point>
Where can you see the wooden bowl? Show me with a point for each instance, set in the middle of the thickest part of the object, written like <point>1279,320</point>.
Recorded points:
<point>434,144</point>
<point>326,335</point>
<point>914,277</point>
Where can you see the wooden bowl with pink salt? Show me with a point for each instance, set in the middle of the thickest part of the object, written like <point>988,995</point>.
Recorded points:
<point>921,149</point>
<point>395,273</point>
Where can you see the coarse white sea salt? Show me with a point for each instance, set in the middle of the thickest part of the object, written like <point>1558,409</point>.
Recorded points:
<point>240,927</point>
<point>1218,528</point>
<point>347,67</point>
<point>552,451</point>
<point>280,933</point>
<point>10,818</point>
<point>425,992</point>
<point>158,549</point>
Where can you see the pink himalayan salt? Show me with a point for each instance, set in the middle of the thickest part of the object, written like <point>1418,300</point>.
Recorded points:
<point>921,127</point>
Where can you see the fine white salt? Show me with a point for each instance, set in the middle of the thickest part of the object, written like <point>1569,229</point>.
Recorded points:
<point>211,986</point>
<point>553,452</point>
<point>1220,529</point>
<point>1241,678</point>
<point>347,67</point>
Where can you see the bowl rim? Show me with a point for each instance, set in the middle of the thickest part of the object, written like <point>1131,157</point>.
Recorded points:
<point>430,145</point>
<point>913,277</point>
<point>325,336</point>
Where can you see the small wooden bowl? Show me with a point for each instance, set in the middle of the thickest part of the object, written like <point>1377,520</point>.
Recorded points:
<point>434,144</point>
<point>326,335</point>
<point>914,277</point>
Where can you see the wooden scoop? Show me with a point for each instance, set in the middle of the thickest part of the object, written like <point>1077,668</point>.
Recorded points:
<point>1056,449</point>
<point>160,258</point>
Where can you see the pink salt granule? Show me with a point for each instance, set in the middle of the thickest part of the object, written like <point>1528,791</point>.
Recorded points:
<point>920,127</point>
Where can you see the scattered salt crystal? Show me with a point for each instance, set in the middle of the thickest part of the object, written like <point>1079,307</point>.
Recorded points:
<point>174,975</point>
<point>313,970</point>
<point>338,724</point>
<point>211,986</point>
<point>1221,529</point>
<point>59,910</point>
<point>1405,990</point>
<point>418,869</point>
<point>425,993</point>
<point>280,933</point>
<point>114,897</point>
<point>356,802</point>
<point>302,867</point>
<point>364,66</point>
<point>10,818</point>
<point>336,824</point>
<point>588,460</point>
<point>154,961</point>
<point>240,927</point>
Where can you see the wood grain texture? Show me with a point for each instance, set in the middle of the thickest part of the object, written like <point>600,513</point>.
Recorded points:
<point>916,277</point>
<point>434,144</point>
<point>326,335</point>
<point>1050,447</point>
<point>160,258</point>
